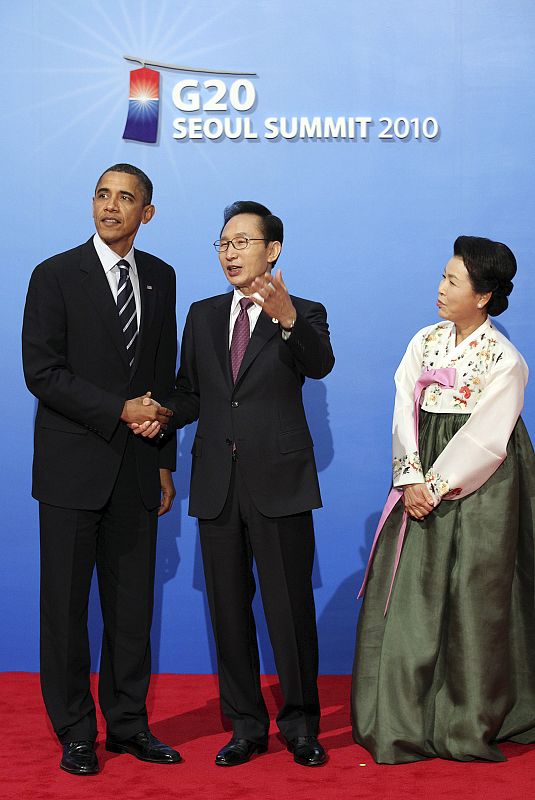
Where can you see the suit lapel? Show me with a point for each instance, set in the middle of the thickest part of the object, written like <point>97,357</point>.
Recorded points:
<point>96,285</point>
<point>264,330</point>
<point>219,325</point>
<point>147,292</point>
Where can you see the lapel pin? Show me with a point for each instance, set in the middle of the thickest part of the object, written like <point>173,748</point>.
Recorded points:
<point>274,320</point>
<point>149,287</point>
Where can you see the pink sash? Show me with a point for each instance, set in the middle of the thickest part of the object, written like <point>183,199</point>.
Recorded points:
<point>444,377</point>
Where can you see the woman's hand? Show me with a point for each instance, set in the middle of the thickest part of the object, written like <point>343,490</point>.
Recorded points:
<point>417,500</point>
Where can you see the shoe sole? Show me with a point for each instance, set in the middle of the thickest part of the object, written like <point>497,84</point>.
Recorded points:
<point>308,764</point>
<point>118,748</point>
<point>79,772</point>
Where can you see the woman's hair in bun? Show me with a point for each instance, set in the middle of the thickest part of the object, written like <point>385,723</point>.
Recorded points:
<point>491,267</point>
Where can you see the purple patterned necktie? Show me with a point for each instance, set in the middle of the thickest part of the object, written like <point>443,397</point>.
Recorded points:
<point>240,337</point>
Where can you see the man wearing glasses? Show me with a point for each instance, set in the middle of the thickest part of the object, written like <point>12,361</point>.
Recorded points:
<point>245,356</point>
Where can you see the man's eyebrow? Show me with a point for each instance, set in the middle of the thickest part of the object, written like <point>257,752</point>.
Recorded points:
<point>121,191</point>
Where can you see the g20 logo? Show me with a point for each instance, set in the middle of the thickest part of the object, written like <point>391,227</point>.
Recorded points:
<point>144,97</point>
<point>187,95</point>
<point>214,96</point>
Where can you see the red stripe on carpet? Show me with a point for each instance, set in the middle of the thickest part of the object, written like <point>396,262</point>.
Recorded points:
<point>184,712</point>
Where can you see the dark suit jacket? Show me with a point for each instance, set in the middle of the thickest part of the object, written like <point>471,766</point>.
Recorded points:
<point>262,413</point>
<point>75,363</point>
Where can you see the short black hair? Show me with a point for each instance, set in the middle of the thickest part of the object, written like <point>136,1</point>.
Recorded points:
<point>144,181</point>
<point>272,226</point>
<point>491,267</point>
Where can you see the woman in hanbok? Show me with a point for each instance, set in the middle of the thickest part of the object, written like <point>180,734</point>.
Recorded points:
<point>445,658</point>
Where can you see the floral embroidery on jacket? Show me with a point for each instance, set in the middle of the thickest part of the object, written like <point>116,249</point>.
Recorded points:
<point>403,465</point>
<point>473,363</point>
<point>436,485</point>
<point>433,394</point>
<point>485,365</point>
<point>433,342</point>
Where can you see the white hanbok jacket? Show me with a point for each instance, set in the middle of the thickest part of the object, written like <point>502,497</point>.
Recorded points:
<point>491,376</point>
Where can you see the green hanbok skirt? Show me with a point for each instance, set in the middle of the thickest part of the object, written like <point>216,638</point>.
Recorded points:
<point>450,670</point>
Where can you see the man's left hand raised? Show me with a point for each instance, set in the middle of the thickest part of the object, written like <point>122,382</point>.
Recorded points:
<point>270,292</point>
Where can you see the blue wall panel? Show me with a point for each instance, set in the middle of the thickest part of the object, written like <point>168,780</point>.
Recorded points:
<point>369,226</point>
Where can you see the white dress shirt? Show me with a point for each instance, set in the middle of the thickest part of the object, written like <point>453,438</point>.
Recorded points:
<point>109,260</point>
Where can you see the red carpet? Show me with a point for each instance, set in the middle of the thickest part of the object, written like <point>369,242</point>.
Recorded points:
<point>184,712</point>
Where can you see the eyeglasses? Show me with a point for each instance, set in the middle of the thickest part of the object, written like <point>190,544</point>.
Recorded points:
<point>238,243</point>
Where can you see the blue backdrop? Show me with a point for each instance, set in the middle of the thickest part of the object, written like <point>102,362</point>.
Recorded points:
<point>369,221</point>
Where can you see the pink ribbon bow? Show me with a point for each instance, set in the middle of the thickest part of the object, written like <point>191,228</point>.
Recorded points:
<point>444,377</point>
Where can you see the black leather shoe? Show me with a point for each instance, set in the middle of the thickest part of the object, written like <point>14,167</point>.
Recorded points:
<point>79,758</point>
<point>146,747</point>
<point>238,751</point>
<point>307,751</point>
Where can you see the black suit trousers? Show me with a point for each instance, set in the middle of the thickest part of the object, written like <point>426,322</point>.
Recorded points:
<point>283,549</point>
<point>120,539</point>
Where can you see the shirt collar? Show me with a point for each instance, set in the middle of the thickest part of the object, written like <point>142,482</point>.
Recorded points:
<point>109,259</point>
<point>236,297</point>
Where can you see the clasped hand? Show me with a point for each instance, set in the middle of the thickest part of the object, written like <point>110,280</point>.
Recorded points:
<point>417,500</point>
<point>145,409</point>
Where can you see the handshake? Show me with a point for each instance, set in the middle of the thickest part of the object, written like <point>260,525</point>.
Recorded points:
<point>145,416</point>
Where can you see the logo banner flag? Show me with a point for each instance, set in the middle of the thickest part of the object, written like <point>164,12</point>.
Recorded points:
<point>143,106</point>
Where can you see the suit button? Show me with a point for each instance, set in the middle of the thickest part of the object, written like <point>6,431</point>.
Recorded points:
<point>228,441</point>
<point>235,404</point>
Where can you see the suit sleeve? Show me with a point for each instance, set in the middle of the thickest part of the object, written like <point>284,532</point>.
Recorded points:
<point>310,342</point>
<point>184,401</point>
<point>45,360</point>
<point>165,369</point>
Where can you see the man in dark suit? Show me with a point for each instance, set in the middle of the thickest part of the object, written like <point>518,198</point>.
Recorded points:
<point>254,480</point>
<point>99,328</point>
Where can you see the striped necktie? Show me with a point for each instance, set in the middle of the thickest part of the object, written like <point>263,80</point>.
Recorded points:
<point>126,306</point>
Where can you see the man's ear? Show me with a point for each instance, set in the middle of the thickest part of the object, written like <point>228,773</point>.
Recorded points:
<point>148,213</point>
<point>274,251</point>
